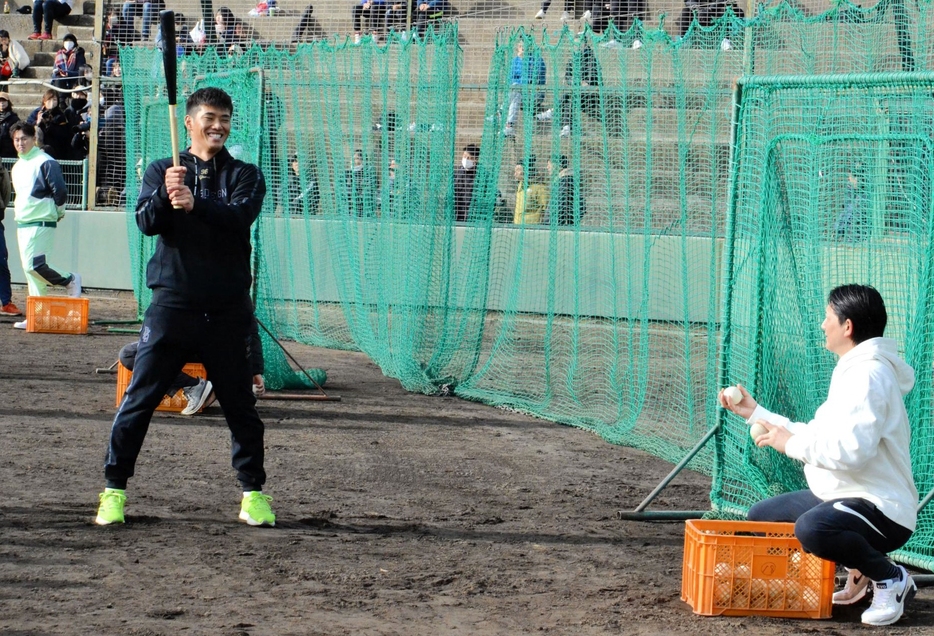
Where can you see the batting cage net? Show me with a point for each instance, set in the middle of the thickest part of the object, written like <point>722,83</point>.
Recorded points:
<point>552,234</point>
<point>833,184</point>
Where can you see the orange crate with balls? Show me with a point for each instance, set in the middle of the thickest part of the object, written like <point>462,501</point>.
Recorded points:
<point>173,404</point>
<point>738,568</point>
<point>56,314</point>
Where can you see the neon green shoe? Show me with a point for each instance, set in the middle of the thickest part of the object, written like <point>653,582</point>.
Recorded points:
<point>255,509</point>
<point>111,508</point>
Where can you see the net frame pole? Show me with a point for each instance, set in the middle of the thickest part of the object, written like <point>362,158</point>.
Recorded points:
<point>640,513</point>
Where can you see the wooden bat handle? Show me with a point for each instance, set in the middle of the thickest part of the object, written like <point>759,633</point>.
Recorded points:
<point>173,134</point>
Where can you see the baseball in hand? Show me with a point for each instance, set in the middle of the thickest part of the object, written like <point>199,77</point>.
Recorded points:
<point>733,394</point>
<point>756,430</point>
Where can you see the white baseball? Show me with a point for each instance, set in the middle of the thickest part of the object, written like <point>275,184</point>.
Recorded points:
<point>756,430</point>
<point>733,394</point>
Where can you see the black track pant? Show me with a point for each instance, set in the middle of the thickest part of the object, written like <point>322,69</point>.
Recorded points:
<point>851,532</point>
<point>169,338</point>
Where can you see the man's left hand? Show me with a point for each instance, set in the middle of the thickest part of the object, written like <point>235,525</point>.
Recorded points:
<point>776,437</point>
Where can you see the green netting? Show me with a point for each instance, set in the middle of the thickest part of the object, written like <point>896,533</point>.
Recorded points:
<point>604,309</point>
<point>834,178</point>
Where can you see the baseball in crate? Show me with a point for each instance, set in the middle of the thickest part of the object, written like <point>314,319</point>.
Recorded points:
<point>861,501</point>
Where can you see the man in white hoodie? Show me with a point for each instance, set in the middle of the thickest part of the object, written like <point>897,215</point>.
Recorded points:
<point>861,501</point>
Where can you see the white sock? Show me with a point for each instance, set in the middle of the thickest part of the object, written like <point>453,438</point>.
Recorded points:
<point>246,493</point>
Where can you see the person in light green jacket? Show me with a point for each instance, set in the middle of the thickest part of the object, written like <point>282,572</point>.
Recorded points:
<point>40,205</point>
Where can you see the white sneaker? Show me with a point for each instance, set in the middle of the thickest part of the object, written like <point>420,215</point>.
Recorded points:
<point>509,132</point>
<point>889,598</point>
<point>636,44</point>
<point>586,17</point>
<point>356,38</point>
<point>856,588</point>
<point>566,131</point>
<point>540,15</point>
<point>73,288</point>
<point>611,44</point>
<point>565,16</point>
<point>196,395</point>
<point>725,44</point>
<point>545,115</point>
<point>19,325</point>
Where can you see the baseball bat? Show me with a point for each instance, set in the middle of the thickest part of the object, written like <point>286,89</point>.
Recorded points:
<point>170,65</point>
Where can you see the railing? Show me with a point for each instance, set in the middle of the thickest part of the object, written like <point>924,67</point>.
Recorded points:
<point>76,179</point>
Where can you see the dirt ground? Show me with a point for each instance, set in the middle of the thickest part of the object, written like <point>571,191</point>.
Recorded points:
<point>397,514</point>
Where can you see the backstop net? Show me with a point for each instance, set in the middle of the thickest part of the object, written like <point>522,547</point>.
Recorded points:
<point>833,185</point>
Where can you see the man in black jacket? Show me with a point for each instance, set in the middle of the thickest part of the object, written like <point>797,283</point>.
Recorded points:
<point>200,280</point>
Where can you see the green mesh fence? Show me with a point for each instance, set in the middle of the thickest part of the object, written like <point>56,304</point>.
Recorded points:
<point>834,178</point>
<point>602,307</point>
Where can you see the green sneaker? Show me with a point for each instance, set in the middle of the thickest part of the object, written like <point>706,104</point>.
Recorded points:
<point>255,509</point>
<point>111,508</point>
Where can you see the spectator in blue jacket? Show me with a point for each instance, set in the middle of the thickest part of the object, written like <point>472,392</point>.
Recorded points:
<point>527,70</point>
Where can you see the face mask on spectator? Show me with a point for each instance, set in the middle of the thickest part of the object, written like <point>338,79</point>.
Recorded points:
<point>102,100</point>
<point>467,163</point>
<point>69,45</point>
<point>51,104</point>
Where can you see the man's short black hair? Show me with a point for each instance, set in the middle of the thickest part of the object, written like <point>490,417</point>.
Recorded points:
<point>562,162</point>
<point>4,33</point>
<point>472,149</point>
<point>28,129</point>
<point>209,96</point>
<point>863,306</point>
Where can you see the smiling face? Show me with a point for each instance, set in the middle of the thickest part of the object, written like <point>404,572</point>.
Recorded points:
<point>208,127</point>
<point>838,336</point>
<point>23,142</point>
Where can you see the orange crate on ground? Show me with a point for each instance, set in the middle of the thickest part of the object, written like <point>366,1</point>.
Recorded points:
<point>738,568</point>
<point>175,403</point>
<point>56,314</point>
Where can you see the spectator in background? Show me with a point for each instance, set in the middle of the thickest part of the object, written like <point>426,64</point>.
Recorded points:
<point>464,176</point>
<point>78,115</point>
<point>111,144</point>
<point>56,130</point>
<point>8,117</point>
<point>565,15</point>
<point>363,16</point>
<point>561,208</point>
<point>304,194</point>
<point>526,70</point>
<point>428,12</point>
<point>362,185</point>
<point>41,195</point>
<point>235,35</point>
<point>69,62</point>
<point>118,32</point>
<point>7,308</point>
<point>590,99</point>
<point>48,10</point>
<point>149,11</point>
<point>13,57</point>
<point>308,28</point>
<point>531,196</point>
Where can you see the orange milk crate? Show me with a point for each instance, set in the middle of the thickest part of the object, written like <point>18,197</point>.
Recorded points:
<point>56,314</point>
<point>739,568</point>
<point>174,403</point>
